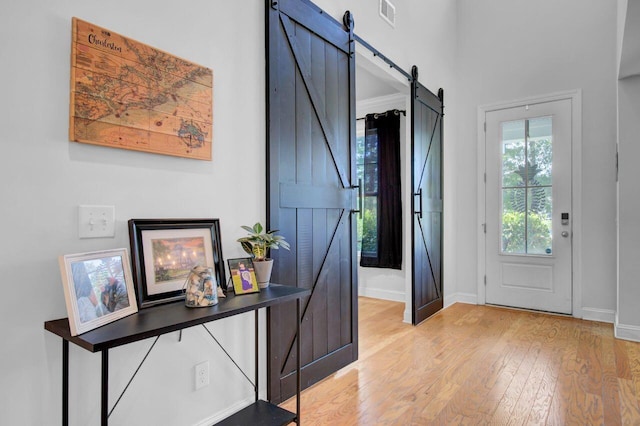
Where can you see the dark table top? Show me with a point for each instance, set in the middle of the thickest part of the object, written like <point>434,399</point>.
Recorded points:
<point>161,319</point>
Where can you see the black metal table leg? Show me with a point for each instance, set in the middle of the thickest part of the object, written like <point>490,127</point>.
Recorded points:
<point>257,355</point>
<point>298,380</point>
<point>104,405</point>
<point>65,382</point>
<point>156,324</point>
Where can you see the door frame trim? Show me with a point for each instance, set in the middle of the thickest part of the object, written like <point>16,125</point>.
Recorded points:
<point>575,96</point>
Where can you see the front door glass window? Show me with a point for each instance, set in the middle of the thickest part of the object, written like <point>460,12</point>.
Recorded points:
<point>527,205</point>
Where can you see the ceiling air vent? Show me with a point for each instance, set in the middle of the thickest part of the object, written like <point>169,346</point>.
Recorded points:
<point>388,12</point>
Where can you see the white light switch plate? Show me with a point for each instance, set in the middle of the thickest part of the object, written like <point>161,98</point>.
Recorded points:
<point>96,221</point>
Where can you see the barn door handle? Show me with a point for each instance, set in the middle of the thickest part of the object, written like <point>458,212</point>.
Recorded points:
<point>418,194</point>
<point>360,197</point>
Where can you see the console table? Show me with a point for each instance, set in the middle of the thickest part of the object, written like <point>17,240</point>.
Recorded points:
<point>162,319</point>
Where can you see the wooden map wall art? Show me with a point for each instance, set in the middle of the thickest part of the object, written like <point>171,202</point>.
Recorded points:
<point>128,95</point>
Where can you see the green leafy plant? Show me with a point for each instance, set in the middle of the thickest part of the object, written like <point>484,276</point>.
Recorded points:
<point>259,241</point>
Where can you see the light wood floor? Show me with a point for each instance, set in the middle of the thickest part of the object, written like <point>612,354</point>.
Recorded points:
<point>479,365</point>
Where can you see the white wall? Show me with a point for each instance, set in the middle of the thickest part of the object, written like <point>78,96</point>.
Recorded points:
<point>479,52</point>
<point>510,50</point>
<point>424,35</point>
<point>627,322</point>
<point>46,177</point>
<point>385,283</point>
<point>628,317</point>
<point>622,14</point>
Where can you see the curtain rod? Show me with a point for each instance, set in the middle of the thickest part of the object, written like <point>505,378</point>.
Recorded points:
<point>378,114</point>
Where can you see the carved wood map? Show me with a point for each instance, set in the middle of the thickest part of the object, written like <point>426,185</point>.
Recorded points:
<point>128,95</point>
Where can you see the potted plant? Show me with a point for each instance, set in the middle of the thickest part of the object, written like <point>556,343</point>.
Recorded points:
<point>257,244</point>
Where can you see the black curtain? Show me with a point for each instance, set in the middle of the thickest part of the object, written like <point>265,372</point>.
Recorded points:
<point>382,136</point>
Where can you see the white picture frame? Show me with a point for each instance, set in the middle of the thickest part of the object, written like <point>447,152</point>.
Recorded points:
<point>98,288</point>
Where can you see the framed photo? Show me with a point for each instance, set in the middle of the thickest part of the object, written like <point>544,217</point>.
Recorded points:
<point>165,250</point>
<point>98,288</point>
<point>243,275</point>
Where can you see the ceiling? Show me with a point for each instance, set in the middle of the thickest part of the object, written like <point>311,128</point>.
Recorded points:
<point>374,78</point>
<point>369,86</point>
<point>630,59</point>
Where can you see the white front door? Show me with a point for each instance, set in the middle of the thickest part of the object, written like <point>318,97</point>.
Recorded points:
<point>528,206</point>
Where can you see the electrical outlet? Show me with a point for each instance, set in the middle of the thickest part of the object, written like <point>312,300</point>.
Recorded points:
<point>202,375</point>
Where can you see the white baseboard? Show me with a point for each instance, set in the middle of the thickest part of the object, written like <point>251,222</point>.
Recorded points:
<point>221,415</point>
<point>626,332</point>
<point>601,315</point>
<point>468,298</point>
<point>590,314</point>
<point>394,296</point>
<point>407,316</point>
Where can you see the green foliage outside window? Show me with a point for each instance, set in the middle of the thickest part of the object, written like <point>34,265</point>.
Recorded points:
<point>527,158</point>
<point>368,223</point>
<point>513,233</point>
<point>370,234</point>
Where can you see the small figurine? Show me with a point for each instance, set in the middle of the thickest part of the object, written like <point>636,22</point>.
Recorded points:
<point>199,288</point>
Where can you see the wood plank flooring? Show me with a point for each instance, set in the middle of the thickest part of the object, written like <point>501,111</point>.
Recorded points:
<point>470,365</point>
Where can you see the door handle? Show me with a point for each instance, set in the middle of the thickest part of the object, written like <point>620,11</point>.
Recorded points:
<point>565,234</point>
<point>360,197</point>
<point>419,195</point>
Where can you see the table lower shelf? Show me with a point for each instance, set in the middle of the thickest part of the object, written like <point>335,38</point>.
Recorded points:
<point>259,413</point>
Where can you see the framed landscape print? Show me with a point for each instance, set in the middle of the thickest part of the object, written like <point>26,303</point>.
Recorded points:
<point>165,251</point>
<point>98,288</point>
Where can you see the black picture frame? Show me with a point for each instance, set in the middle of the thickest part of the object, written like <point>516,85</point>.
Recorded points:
<point>155,241</point>
<point>236,280</point>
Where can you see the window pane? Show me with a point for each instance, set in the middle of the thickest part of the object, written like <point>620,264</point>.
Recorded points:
<point>513,220</point>
<point>360,174</point>
<point>370,226</point>
<point>371,146</point>
<point>539,201</point>
<point>527,154</point>
<point>539,150</point>
<point>360,150</point>
<point>371,163</point>
<point>540,127</point>
<point>513,154</point>
<point>371,179</point>
<point>539,237</point>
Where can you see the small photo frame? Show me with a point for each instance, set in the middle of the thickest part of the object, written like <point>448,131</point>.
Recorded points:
<point>98,288</point>
<point>165,250</point>
<point>243,275</point>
